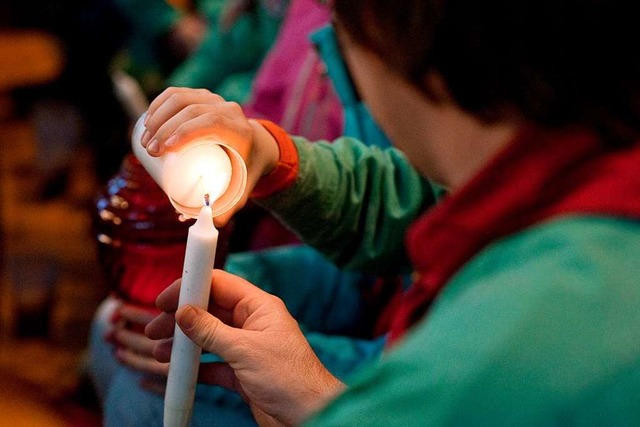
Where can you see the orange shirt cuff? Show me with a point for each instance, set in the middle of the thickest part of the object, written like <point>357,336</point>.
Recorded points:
<point>286,170</point>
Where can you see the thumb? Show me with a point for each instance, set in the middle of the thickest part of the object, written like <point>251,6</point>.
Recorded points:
<point>207,331</point>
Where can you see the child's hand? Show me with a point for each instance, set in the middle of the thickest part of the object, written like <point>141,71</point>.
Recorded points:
<point>178,114</point>
<point>134,349</point>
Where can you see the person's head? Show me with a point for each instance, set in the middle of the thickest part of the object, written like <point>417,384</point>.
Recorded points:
<point>551,62</point>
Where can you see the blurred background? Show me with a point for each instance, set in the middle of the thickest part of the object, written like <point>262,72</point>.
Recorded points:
<point>62,134</point>
<point>50,286</point>
<point>79,217</point>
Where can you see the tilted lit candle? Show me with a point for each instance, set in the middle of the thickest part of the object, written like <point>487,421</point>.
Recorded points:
<point>200,254</point>
<point>202,164</point>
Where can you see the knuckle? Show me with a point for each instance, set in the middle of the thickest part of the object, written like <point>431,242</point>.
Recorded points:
<point>176,98</point>
<point>278,302</point>
<point>214,96</point>
<point>234,107</point>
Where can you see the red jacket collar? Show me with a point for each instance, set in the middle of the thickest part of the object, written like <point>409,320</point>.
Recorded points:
<point>537,176</point>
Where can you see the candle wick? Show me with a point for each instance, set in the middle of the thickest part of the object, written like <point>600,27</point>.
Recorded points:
<point>206,199</point>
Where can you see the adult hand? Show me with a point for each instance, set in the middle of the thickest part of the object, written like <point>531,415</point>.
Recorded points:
<point>134,349</point>
<point>267,358</point>
<point>178,115</point>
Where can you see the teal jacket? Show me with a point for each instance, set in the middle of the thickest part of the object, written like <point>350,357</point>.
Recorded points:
<point>504,345</point>
<point>541,327</point>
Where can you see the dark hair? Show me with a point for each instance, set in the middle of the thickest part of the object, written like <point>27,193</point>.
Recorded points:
<point>554,62</point>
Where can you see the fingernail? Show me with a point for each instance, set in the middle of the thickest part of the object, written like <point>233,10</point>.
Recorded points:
<point>146,119</point>
<point>145,138</point>
<point>188,317</point>
<point>153,146</point>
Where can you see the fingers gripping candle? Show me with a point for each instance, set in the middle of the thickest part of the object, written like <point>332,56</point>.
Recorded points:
<point>202,241</point>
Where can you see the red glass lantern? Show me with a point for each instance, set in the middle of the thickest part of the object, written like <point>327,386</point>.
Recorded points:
<point>141,241</point>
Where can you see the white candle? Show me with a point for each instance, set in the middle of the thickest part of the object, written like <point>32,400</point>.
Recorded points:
<point>196,284</point>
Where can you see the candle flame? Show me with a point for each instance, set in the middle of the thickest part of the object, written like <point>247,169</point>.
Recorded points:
<point>206,195</point>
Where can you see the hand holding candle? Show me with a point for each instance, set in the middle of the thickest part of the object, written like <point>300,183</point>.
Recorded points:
<point>200,253</point>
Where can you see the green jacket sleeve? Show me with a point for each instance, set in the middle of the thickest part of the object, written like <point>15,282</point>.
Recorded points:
<point>353,203</point>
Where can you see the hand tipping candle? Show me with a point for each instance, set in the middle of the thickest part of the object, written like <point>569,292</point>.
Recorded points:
<point>201,160</point>
<point>196,284</point>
